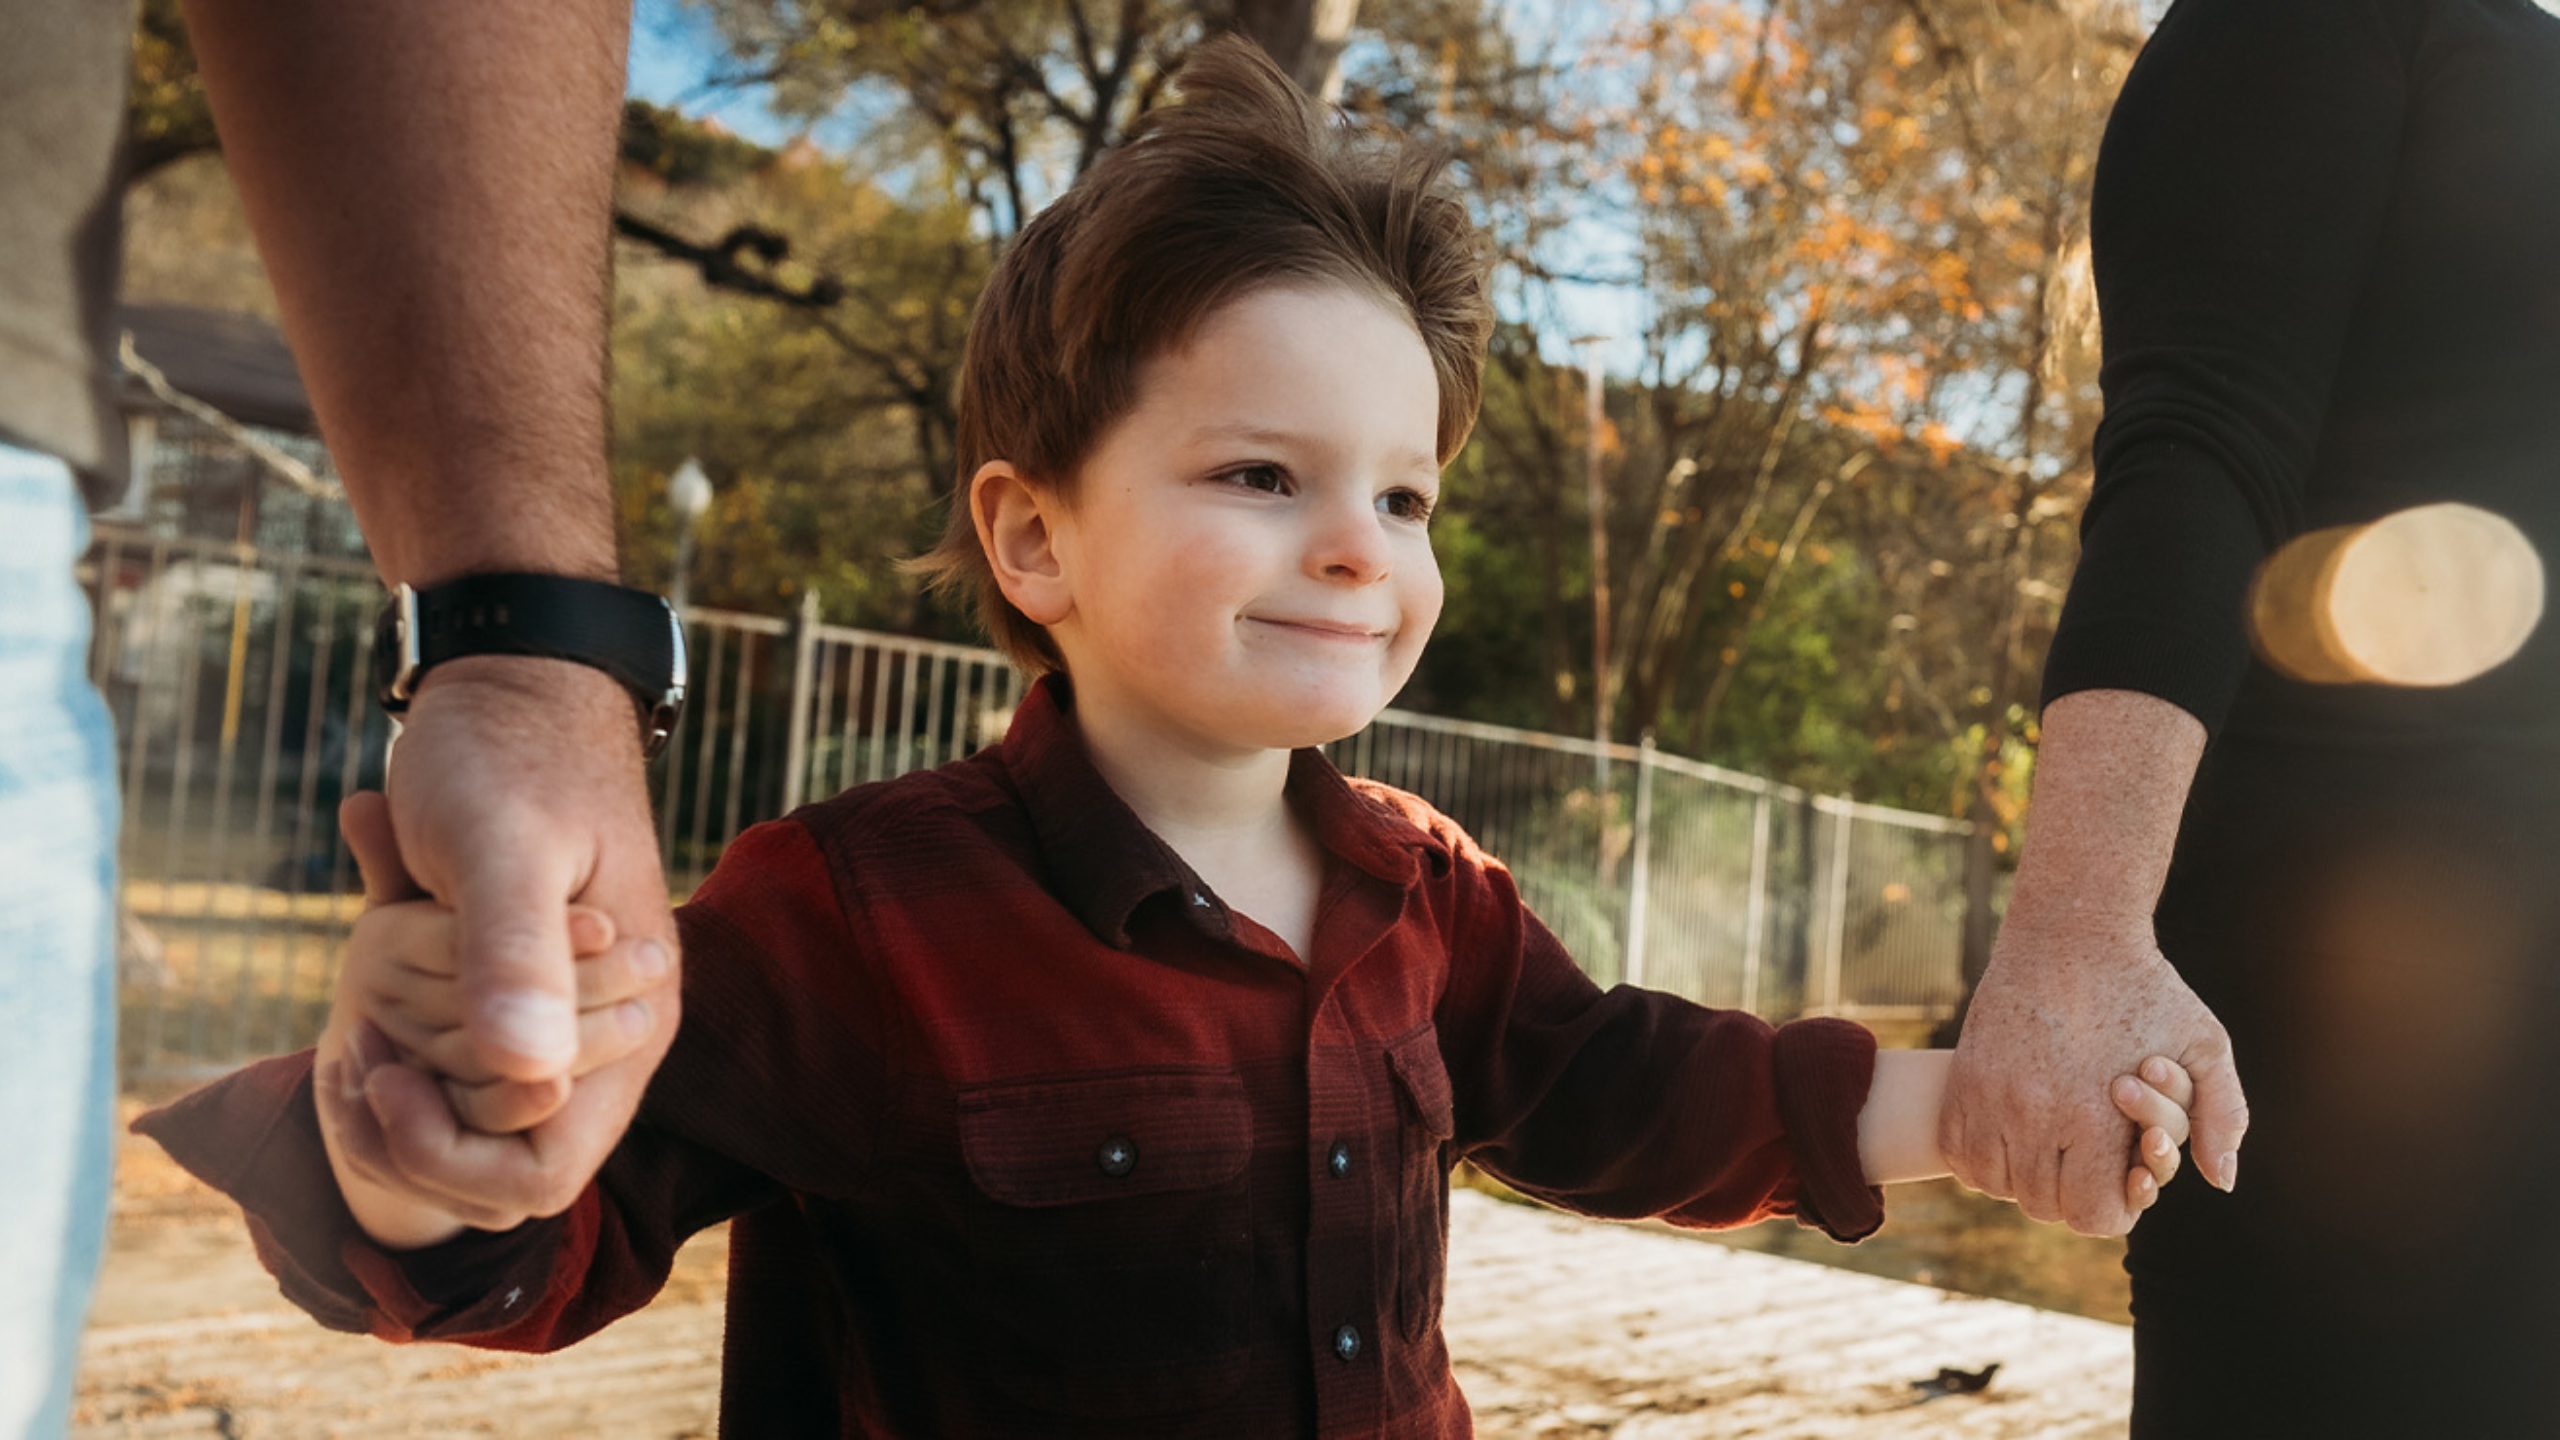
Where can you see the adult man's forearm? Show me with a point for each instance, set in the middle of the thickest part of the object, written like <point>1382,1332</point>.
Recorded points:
<point>2112,772</point>
<point>431,186</point>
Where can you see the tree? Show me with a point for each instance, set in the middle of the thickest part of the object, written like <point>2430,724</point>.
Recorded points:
<point>1864,222</point>
<point>2035,83</point>
<point>829,427</point>
<point>1013,98</point>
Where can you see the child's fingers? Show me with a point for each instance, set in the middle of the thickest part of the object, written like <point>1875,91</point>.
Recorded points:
<point>623,972</point>
<point>398,942</point>
<point>611,1033</point>
<point>422,1012</point>
<point>415,936</point>
<point>494,1105</point>
<point>2164,1128</point>
<point>2171,1079</point>
<point>425,1039</point>
<point>2149,1108</point>
<point>590,930</point>
<point>605,1034</point>
<point>503,1107</point>
<point>2141,1191</point>
<point>2158,1154</point>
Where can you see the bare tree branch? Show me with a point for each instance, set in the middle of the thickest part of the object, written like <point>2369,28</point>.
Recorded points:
<point>723,267</point>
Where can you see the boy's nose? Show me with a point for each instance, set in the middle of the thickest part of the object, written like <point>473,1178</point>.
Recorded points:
<point>1350,545</point>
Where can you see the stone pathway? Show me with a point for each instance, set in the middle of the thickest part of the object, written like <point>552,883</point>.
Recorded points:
<point>1564,1327</point>
<point>1561,1328</point>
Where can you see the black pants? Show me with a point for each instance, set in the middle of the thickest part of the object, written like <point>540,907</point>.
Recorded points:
<point>2381,932</point>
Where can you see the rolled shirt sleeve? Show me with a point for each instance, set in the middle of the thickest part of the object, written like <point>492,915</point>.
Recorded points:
<point>725,1126</point>
<point>255,1136</point>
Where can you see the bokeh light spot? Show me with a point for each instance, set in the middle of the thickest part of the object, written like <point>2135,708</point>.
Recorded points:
<point>2431,596</point>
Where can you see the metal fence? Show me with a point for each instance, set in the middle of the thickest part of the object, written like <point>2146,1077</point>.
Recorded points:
<point>238,681</point>
<point>1723,887</point>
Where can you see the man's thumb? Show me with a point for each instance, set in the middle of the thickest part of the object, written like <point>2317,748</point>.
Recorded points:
<point>2219,1118</point>
<point>365,819</point>
<point>519,984</point>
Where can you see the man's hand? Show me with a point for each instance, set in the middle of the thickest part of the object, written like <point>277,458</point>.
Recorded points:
<point>2065,1008</point>
<point>515,790</point>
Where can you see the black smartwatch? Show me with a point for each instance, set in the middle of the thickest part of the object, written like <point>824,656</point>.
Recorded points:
<point>631,635</point>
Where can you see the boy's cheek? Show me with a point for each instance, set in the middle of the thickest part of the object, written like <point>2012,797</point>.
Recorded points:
<point>1422,616</point>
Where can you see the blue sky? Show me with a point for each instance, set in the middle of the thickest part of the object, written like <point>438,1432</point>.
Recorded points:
<point>675,52</point>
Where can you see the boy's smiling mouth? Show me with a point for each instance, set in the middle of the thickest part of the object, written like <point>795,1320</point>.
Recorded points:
<point>1326,630</point>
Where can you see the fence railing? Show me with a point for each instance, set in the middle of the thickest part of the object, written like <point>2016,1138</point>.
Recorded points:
<point>238,679</point>
<point>1725,888</point>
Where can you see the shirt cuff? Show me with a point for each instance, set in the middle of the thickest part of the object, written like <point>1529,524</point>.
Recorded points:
<point>1823,1069</point>
<point>254,1135</point>
<point>2160,601</point>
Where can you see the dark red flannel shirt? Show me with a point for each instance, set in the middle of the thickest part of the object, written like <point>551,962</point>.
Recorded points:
<point>1024,1132</point>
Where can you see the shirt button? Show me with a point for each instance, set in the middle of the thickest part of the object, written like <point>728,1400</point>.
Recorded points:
<point>1340,1160</point>
<point>1346,1344</point>
<point>1117,1157</point>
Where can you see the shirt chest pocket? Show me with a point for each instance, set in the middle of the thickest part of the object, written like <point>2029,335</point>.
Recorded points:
<point>1111,1231</point>
<point>1428,1118</point>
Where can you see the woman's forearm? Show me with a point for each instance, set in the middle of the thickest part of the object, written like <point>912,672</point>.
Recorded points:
<point>2112,772</point>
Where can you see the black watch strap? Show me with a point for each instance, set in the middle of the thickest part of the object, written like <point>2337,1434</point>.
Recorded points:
<point>631,635</point>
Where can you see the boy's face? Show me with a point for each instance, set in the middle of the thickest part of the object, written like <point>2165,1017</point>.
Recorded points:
<point>1246,557</point>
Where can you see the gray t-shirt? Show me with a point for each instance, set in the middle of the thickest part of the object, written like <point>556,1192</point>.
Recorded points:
<point>63,71</point>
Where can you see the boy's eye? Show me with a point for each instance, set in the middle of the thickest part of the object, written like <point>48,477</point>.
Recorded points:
<point>1269,478</point>
<point>1405,505</point>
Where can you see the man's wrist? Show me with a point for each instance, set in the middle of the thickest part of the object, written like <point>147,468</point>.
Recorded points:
<point>575,539</point>
<point>565,693</point>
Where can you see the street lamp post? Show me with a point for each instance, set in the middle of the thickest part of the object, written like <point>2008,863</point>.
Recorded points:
<point>689,494</point>
<point>1595,495</point>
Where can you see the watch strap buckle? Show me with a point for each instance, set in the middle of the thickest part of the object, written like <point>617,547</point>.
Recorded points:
<point>397,641</point>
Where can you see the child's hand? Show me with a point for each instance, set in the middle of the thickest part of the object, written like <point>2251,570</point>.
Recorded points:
<point>398,1007</point>
<point>401,976</point>
<point>2155,1099</point>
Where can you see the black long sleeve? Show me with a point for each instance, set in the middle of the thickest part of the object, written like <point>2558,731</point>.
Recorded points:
<point>2326,238</point>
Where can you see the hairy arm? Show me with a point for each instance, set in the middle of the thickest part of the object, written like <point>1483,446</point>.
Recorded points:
<point>430,185</point>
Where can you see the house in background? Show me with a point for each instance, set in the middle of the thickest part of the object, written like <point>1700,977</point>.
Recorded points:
<point>197,468</point>
<point>234,603</point>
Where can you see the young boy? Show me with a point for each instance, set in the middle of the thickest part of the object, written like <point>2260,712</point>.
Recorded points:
<point>1108,1082</point>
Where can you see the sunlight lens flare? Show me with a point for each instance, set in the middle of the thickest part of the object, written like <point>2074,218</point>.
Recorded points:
<point>2432,596</point>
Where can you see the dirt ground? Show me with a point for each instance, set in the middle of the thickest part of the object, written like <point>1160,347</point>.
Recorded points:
<point>1561,1328</point>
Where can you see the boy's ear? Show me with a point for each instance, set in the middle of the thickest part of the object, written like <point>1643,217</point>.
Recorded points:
<point>1015,515</point>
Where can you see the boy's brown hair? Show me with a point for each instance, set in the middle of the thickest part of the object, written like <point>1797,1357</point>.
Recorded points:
<point>1240,184</point>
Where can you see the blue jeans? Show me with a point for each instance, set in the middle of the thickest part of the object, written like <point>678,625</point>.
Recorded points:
<point>57,927</point>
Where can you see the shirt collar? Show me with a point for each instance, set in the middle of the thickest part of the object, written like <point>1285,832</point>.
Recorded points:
<point>1104,862</point>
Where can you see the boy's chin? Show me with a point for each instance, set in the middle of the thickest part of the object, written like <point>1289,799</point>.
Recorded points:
<point>1303,722</point>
